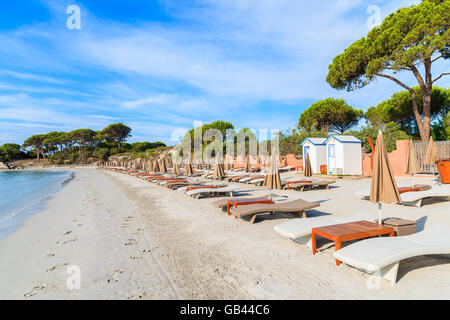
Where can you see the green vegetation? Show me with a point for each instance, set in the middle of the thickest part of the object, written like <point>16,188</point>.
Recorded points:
<point>117,133</point>
<point>399,109</point>
<point>407,41</point>
<point>391,132</point>
<point>221,126</point>
<point>10,152</point>
<point>291,139</point>
<point>79,146</point>
<point>447,124</point>
<point>331,114</point>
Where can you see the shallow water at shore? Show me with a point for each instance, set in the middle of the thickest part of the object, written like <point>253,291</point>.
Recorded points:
<point>23,193</point>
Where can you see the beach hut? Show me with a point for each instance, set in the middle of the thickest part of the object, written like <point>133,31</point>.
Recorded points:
<point>344,155</point>
<point>317,151</point>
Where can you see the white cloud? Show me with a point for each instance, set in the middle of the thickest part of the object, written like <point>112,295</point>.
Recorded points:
<point>245,61</point>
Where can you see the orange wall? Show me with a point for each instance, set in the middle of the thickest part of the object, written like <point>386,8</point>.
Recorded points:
<point>289,160</point>
<point>292,161</point>
<point>397,159</point>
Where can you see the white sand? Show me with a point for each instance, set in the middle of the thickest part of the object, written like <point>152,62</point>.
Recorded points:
<point>132,239</point>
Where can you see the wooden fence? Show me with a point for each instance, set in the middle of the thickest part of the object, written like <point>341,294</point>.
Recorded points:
<point>443,149</point>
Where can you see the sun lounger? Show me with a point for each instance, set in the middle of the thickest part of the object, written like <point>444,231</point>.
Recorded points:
<point>222,203</point>
<point>299,230</point>
<point>257,182</point>
<point>165,182</point>
<point>415,198</point>
<point>250,211</point>
<point>250,178</point>
<point>236,177</point>
<point>286,168</point>
<point>184,188</point>
<point>325,184</point>
<point>180,183</point>
<point>228,190</point>
<point>416,188</point>
<point>381,256</point>
<point>260,182</point>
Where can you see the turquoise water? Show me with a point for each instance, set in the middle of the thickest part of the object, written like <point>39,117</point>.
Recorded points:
<point>23,193</point>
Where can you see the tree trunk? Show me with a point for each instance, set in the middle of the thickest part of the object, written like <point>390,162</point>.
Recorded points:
<point>426,97</point>
<point>425,88</point>
<point>420,123</point>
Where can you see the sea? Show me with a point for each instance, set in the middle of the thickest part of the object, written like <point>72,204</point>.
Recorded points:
<point>24,193</point>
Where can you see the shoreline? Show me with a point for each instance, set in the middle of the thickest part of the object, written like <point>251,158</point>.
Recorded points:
<point>134,240</point>
<point>18,216</point>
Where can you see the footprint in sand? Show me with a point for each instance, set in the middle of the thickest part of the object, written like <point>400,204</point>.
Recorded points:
<point>135,296</point>
<point>69,241</point>
<point>112,280</point>
<point>35,290</point>
<point>114,276</point>
<point>79,225</point>
<point>57,266</point>
<point>131,242</point>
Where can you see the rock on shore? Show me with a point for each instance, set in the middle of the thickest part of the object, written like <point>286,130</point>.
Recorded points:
<point>3,166</point>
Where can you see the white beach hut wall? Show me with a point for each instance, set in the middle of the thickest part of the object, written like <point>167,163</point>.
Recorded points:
<point>317,151</point>
<point>344,155</point>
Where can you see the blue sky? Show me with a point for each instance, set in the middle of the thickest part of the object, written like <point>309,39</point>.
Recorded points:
<point>158,66</point>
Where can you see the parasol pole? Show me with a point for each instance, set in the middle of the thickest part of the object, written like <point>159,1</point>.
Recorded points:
<point>379,213</point>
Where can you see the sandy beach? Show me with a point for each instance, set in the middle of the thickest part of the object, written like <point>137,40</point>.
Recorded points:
<point>134,240</point>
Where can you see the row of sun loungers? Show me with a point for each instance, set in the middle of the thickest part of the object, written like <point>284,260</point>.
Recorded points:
<point>379,256</point>
<point>289,183</point>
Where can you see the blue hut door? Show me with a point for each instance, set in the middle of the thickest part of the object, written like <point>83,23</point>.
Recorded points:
<point>331,158</point>
<point>306,151</point>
